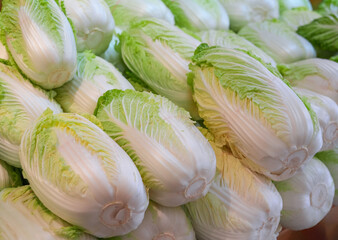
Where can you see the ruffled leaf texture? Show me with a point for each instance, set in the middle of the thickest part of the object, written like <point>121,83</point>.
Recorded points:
<point>253,111</point>
<point>94,76</point>
<point>243,12</point>
<point>327,112</point>
<point>198,15</point>
<point>124,11</point>
<point>162,223</point>
<point>19,207</point>
<point>307,196</point>
<point>163,56</point>
<point>271,35</point>
<point>175,160</point>
<point>93,23</point>
<point>229,39</point>
<point>240,204</point>
<point>322,32</point>
<point>20,104</point>
<point>317,75</point>
<point>330,159</point>
<point>9,176</point>
<point>83,176</point>
<point>40,40</point>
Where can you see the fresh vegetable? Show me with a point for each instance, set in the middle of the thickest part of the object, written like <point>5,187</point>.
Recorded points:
<point>40,40</point>
<point>163,55</point>
<point>330,159</point>
<point>327,112</point>
<point>199,14</point>
<point>93,23</point>
<point>83,176</point>
<point>94,76</point>
<point>9,176</point>
<point>328,7</point>
<point>285,5</point>
<point>20,104</point>
<point>297,17</point>
<point>307,196</point>
<point>271,35</point>
<point>175,160</point>
<point>162,223</point>
<point>229,39</point>
<point>322,32</point>
<point>124,11</point>
<point>20,207</point>
<point>249,108</point>
<point>242,12</point>
<point>240,204</point>
<point>317,75</point>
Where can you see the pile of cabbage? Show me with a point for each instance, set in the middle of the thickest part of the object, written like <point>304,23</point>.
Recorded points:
<point>164,120</point>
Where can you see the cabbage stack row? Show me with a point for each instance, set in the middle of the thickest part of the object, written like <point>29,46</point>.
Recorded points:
<point>164,120</point>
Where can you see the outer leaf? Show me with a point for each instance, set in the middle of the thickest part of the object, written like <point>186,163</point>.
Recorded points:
<point>334,58</point>
<point>229,39</point>
<point>327,112</point>
<point>94,76</point>
<point>83,176</point>
<point>20,104</point>
<point>239,205</point>
<point>9,176</point>
<point>328,7</point>
<point>330,159</point>
<point>124,11</point>
<point>40,39</point>
<point>307,196</point>
<point>318,75</point>
<point>162,223</point>
<point>163,55</point>
<point>20,207</point>
<point>243,12</point>
<point>297,17</point>
<point>285,5</point>
<point>322,32</point>
<point>175,161</point>
<point>93,22</point>
<point>270,35</point>
<point>3,53</point>
<point>199,14</point>
<point>254,112</point>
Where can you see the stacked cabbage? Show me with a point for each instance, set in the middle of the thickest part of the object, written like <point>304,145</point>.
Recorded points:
<point>264,158</point>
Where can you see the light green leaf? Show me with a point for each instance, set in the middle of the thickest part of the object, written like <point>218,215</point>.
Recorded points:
<point>248,108</point>
<point>322,32</point>
<point>328,7</point>
<point>285,5</point>
<point>297,17</point>
<point>124,11</point>
<point>163,55</point>
<point>65,158</point>
<point>240,204</point>
<point>20,207</point>
<point>271,35</point>
<point>229,39</point>
<point>243,12</point>
<point>317,75</point>
<point>9,176</point>
<point>199,14</point>
<point>175,161</point>
<point>94,76</point>
<point>40,39</point>
<point>20,104</point>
